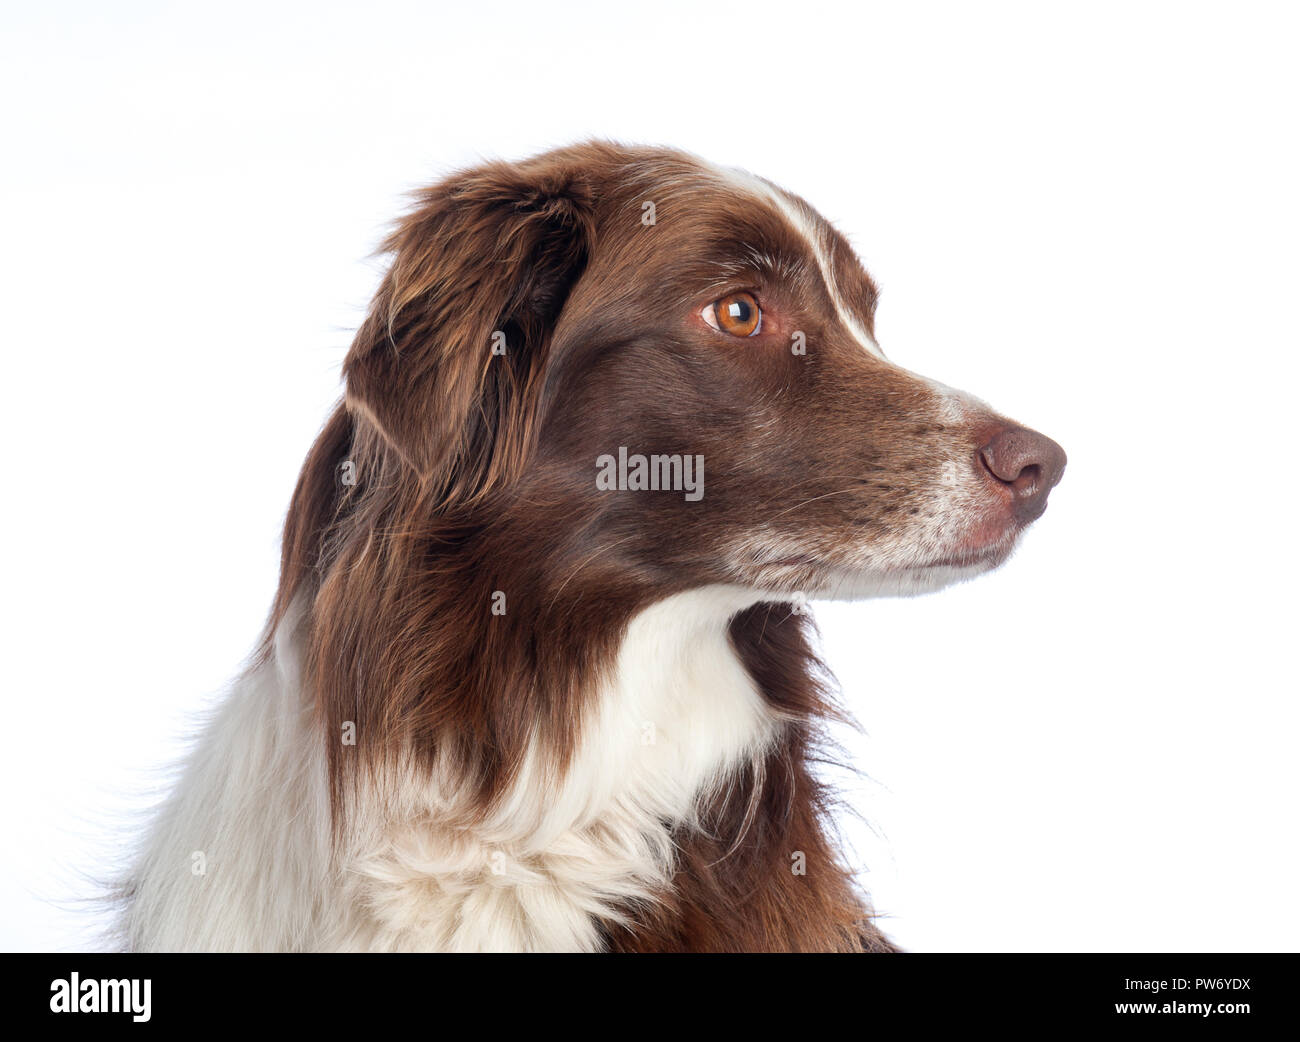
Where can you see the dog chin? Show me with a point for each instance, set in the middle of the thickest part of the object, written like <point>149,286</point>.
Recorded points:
<point>807,578</point>
<point>852,584</point>
<point>909,582</point>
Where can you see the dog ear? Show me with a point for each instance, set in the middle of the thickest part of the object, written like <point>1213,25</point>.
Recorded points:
<point>449,362</point>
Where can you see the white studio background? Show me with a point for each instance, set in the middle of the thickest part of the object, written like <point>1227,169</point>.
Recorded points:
<point>1085,214</point>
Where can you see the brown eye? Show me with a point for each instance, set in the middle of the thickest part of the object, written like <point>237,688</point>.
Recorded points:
<point>737,314</point>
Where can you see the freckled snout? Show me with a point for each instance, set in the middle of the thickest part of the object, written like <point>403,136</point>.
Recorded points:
<point>1027,464</point>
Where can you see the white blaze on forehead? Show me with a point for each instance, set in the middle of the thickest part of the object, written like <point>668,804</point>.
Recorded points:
<point>810,233</point>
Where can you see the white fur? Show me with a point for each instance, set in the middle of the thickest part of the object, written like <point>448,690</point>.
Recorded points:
<point>418,870</point>
<point>251,813</point>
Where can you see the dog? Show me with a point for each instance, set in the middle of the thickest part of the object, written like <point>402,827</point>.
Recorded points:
<point>536,677</point>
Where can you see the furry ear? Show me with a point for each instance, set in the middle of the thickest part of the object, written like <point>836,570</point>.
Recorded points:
<point>448,364</point>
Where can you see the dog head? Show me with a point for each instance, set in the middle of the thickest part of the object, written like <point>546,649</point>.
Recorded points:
<point>675,366</point>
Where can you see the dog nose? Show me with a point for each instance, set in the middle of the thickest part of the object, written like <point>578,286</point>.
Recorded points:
<point>1029,463</point>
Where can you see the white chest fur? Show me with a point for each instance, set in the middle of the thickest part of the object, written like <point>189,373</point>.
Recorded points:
<point>676,715</point>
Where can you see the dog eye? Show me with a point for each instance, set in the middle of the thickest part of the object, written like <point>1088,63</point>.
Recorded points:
<point>737,314</point>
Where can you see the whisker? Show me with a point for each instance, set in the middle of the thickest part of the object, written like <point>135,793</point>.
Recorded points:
<point>814,499</point>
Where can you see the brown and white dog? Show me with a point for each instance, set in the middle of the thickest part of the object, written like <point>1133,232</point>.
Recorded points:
<point>532,680</point>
